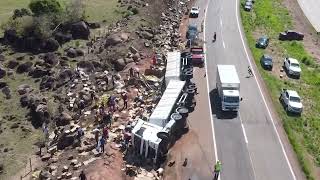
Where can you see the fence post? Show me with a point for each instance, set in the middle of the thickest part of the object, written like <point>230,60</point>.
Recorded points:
<point>30,165</point>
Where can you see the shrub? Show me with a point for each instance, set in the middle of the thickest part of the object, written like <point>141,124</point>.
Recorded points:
<point>40,7</point>
<point>75,11</point>
<point>134,10</point>
<point>20,13</point>
<point>43,26</point>
<point>22,25</point>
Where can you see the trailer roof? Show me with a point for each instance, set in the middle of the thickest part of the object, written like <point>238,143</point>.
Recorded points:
<point>228,74</point>
<point>173,66</point>
<point>163,109</point>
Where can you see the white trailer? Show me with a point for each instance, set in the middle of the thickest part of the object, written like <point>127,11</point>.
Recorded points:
<point>173,67</point>
<point>228,86</point>
<point>162,112</point>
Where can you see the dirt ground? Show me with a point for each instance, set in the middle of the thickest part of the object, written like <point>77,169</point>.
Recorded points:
<point>311,38</point>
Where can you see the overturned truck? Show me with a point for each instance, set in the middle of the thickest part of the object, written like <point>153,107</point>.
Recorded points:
<point>168,121</point>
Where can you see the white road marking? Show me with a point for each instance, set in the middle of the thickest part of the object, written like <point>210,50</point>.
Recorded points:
<point>220,21</point>
<point>244,133</point>
<point>206,68</point>
<point>264,100</point>
<point>224,46</point>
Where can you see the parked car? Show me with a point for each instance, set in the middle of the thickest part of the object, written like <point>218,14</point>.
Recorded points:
<point>291,35</point>
<point>262,42</point>
<point>266,62</point>
<point>197,56</point>
<point>192,32</point>
<point>291,101</point>
<point>194,12</point>
<point>292,67</point>
<point>248,5</point>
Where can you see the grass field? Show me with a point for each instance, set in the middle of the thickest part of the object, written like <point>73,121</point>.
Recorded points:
<point>270,17</point>
<point>96,10</point>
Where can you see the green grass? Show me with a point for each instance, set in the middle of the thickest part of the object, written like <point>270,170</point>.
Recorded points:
<point>270,17</point>
<point>21,142</point>
<point>96,10</point>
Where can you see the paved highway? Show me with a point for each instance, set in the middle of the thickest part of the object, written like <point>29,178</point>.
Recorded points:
<point>248,144</point>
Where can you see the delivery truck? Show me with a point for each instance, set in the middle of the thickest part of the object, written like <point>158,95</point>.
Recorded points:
<point>228,86</point>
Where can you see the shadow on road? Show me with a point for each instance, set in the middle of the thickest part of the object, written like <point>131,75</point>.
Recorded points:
<point>216,107</point>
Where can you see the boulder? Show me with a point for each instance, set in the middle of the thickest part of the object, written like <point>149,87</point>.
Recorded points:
<point>63,119</point>
<point>63,38</point>
<point>94,25</point>
<point>10,36</point>
<point>40,114</point>
<point>133,50</point>
<point>146,35</point>
<point>71,53</point>
<point>80,30</point>
<point>112,40</point>
<point>2,57</point>
<point>79,52</point>
<point>24,101</point>
<point>3,72</point>
<point>1,168</point>
<point>65,140</point>
<point>119,64</point>
<point>25,67</point>
<point>44,175</point>
<point>38,72</point>
<point>12,64</point>
<point>124,36</point>
<point>50,45</point>
<point>136,57</point>
<point>23,89</point>
<point>51,59</point>
<point>3,84</point>
<point>7,92</point>
<point>86,66</point>
<point>64,76</point>
<point>47,82</point>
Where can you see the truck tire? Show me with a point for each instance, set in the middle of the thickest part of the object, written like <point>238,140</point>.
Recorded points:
<point>183,111</point>
<point>188,74</point>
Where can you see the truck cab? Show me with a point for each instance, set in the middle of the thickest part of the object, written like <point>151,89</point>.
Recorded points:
<point>231,100</point>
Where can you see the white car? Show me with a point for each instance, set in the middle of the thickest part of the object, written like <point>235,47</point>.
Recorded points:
<point>292,66</point>
<point>291,101</point>
<point>194,12</point>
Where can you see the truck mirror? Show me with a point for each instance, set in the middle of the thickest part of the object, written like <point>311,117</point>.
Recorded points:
<point>241,99</point>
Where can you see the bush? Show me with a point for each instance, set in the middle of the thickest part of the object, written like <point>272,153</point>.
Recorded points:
<point>43,26</point>
<point>40,7</point>
<point>20,13</point>
<point>135,10</point>
<point>75,11</point>
<point>23,25</point>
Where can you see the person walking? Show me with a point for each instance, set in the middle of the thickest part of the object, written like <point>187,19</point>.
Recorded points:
<point>105,132</point>
<point>214,37</point>
<point>102,143</point>
<point>217,169</point>
<point>82,176</point>
<point>250,71</point>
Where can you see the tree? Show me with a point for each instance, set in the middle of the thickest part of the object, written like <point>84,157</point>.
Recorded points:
<point>40,7</point>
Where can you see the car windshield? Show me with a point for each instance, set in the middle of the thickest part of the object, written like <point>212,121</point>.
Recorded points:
<point>193,28</point>
<point>294,99</point>
<point>197,52</point>
<point>231,99</point>
<point>194,9</point>
<point>267,59</point>
<point>295,65</point>
<point>248,3</point>
<point>262,40</point>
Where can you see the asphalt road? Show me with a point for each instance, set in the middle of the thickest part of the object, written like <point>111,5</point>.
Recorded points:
<point>311,10</point>
<point>248,144</point>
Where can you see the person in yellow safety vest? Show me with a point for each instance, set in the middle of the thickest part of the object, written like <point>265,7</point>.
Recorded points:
<point>217,169</point>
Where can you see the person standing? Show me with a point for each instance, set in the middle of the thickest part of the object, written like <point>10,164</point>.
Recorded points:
<point>125,100</point>
<point>96,135</point>
<point>131,73</point>
<point>82,176</point>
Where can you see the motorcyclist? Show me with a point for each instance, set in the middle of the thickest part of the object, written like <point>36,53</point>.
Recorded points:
<point>250,71</point>
<point>214,36</point>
